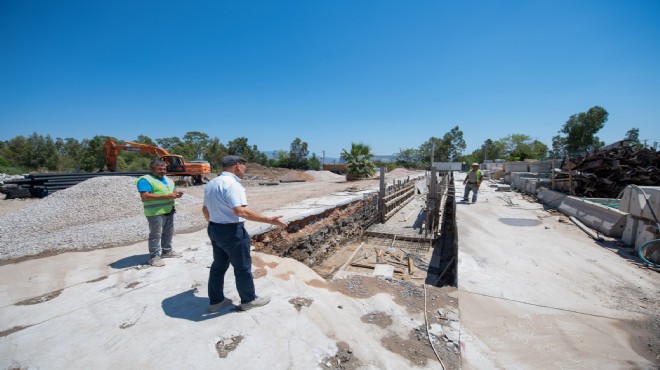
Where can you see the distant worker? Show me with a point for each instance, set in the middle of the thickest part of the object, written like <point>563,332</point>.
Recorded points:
<point>158,192</point>
<point>472,182</point>
<point>225,209</point>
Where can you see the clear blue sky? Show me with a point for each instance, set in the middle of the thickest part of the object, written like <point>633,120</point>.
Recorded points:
<point>390,74</point>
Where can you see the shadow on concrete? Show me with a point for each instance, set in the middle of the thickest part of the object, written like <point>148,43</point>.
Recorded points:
<point>132,261</point>
<point>419,221</point>
<point>188,306</point>
<point>622,250</point>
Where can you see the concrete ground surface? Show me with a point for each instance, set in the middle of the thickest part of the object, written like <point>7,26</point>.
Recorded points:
<point>535,292</point>
<point>105,309</point>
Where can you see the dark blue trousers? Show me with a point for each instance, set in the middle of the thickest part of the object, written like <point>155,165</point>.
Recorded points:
<point>231,245</point>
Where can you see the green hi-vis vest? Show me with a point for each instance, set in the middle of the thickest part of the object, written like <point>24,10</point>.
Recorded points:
<point>474,176</point>
<point>160,206</point>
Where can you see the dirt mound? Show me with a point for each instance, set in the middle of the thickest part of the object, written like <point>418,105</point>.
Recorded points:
<point>262,173</point>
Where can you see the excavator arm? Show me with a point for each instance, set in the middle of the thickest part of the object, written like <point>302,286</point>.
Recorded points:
<point>112,152</point>
<point>176,165</point>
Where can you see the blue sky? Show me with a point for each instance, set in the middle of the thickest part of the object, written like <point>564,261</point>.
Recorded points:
<point>389,74</point>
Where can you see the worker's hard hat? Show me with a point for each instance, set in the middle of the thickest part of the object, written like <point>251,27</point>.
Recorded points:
<point>475,164</point>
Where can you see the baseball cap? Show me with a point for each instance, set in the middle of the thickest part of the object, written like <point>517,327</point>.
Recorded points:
<point>231,160</point>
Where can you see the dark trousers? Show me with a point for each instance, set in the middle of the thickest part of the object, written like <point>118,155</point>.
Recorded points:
<point>231,245</point>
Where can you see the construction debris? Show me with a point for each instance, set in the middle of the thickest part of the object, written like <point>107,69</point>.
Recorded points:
<point>606,172</point>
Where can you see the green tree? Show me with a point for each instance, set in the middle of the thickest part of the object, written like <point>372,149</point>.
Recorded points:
<point>144,139</point>
<point>240,146</point>
<point>69,150</point>
<point>281,159</point>
<point>447,148</point>
<point>578,135</point>
<point>632,137</point>
<point>215,151</point>
<point>93,154</point>
<point>298,154</point>
<point>198,141</point>
<point>408,158</point>
<point>314,163</point>
<point>358,161</point>
<point>518,147</point>
<point>168,143</point>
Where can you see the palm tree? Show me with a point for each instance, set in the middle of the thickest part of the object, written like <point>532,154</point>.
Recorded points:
<point>358,162</point>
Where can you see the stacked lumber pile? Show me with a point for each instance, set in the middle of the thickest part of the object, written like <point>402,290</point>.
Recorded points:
<point>606,172</point>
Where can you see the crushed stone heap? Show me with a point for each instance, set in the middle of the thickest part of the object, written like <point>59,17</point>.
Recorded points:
<point>99,212</point>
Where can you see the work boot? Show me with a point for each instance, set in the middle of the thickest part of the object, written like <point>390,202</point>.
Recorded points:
<point>170,254</point>
<point>218,306</point>
<point>258,302</point>
<point>157,262</point>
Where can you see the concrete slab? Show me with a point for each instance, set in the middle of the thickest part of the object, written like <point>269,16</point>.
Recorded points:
<point>104,309</point>
<point>538,293</point>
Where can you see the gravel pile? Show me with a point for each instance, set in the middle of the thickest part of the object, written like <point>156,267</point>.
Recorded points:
<point>99,212</point>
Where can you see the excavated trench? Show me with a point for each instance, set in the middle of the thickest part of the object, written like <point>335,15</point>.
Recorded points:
<point>313,239</point>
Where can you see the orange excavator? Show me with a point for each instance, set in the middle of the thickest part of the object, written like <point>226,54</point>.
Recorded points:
<point>176,165</point>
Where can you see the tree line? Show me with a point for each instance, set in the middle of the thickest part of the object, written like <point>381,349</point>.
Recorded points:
<point>575,138</point>
<point>38,153</point>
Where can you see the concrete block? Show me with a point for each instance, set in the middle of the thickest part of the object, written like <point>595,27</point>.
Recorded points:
<point>634,202</point>
<point>630,230</point>
<point>517,178</point>
<point>551,198</point>
<point>646,231</point>
<point>532,186</point>
<point>503,188</point>
<point>492,166</point>
<point>385,270</point>
<point>608,221</point>
<point>540,166</point>
<point>515,167</point>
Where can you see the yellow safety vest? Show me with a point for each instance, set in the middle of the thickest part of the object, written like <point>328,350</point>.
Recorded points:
<point>159,206</point>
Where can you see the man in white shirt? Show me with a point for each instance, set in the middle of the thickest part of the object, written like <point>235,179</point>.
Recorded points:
<point>225,209</point>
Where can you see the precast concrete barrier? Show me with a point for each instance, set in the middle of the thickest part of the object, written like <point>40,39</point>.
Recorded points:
<point>608,221</point>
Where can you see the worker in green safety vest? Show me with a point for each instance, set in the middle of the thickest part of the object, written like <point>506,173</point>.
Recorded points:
<point>472,182</point>
<point>158,193</point>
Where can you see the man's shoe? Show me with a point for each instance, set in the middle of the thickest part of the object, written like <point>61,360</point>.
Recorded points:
<point>157,262</point>
<point>170,254</point>
<point>218,306</point>
<point>258,302</point>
